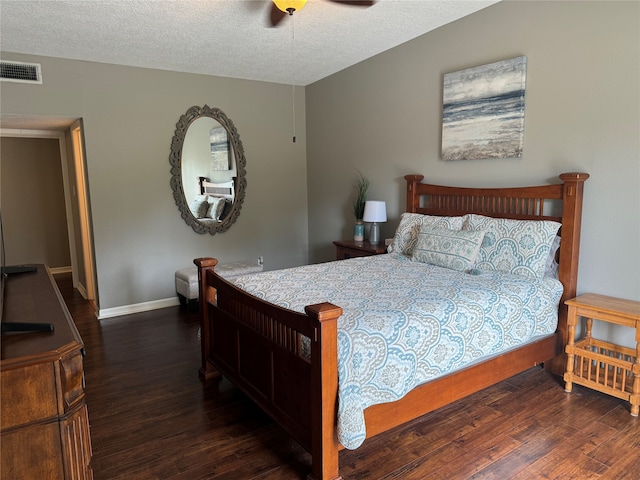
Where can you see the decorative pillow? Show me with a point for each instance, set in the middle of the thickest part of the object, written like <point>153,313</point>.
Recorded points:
<point>199,206</point>
<point>454,249</point>
<point>407,232</point>
<point>221,207</point>
<point>215,207</point>
<point>551,267</point>
<point>521,247</point>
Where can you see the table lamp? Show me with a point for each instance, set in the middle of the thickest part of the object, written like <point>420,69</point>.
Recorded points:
<point>375,211</point>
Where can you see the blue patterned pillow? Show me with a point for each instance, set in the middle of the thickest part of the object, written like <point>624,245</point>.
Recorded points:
<point>454,249</point>
<point>521,247</point>
<point>406,234</point>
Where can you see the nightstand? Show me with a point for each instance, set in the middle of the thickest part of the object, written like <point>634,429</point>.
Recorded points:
<point>350,249</point>
<point>604,366</point>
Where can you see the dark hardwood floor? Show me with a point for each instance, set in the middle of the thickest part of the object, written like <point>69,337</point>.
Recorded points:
<point>152,418</point>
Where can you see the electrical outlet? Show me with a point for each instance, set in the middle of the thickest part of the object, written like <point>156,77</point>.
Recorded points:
<point>260,260</point>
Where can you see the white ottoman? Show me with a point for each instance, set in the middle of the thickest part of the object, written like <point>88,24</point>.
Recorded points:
<point>187,278</point>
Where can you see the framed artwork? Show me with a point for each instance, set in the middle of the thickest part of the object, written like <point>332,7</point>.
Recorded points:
<point>483,111</point>
<point>220,149</point>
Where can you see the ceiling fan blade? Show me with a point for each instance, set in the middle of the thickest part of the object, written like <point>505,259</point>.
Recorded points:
<point>275,15</point>
<point>355,3</point>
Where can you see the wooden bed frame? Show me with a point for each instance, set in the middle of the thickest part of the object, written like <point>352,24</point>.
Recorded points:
<point>257,345</point>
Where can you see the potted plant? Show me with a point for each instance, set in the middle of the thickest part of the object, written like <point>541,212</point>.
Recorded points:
<point>362,187</point>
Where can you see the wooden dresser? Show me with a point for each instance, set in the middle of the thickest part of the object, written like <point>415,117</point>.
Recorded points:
<point>43,415</point>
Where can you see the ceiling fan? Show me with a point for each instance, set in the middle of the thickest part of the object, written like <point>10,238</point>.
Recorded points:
<point>281,8</point>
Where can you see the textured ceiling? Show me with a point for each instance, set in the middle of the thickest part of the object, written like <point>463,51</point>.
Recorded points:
<point>229,38</point>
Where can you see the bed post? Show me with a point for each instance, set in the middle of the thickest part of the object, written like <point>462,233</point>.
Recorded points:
<point>207,370</point>
<point>573,189</point>
<point>413,201</point>
<point>324,391</point>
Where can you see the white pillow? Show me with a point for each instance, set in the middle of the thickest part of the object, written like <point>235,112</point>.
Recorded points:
<point>215,207</point>
<point>406,234</point>
<point>454,249</point>
<point>521,247</point>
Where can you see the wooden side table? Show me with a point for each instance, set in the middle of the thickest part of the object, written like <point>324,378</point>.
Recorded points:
<point>350,249</point>
<point>604,366</point>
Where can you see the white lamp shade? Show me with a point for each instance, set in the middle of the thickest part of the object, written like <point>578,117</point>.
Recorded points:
<point>375,211</point>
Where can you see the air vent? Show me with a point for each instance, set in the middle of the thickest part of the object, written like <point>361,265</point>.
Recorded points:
<point>20,72</point>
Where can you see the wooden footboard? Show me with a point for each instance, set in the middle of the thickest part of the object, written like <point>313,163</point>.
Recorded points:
<point>259,348</point>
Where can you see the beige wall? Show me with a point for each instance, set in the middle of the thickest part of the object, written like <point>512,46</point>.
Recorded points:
<point>129,117</point>
<point>32,200</point>
<point>383,117</point>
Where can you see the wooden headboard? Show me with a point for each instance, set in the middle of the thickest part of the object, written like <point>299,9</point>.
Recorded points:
<point>561,202</point>
<point>224,190</point>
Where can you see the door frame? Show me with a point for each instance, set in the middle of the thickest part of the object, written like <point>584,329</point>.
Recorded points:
<point>84,208</point>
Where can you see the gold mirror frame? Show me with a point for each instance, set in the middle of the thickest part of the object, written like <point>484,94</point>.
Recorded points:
<point>175,159</point>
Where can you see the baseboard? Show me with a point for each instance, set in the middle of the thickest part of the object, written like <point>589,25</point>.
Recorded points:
<point>137,308</point>
<point>59,270</point>
<point>82,291</point>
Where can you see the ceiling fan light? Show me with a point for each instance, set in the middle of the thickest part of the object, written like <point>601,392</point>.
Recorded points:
<point>290,6</point>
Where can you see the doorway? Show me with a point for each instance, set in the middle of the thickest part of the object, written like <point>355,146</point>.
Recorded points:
<point>76,197</point>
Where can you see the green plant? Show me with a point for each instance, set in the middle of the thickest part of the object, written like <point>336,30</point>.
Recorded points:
<point>362,187</point>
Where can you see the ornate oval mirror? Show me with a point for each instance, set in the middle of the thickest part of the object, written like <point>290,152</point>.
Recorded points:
<point>208,174</point>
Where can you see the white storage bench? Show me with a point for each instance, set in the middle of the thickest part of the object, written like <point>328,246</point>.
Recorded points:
<point>187,278</point>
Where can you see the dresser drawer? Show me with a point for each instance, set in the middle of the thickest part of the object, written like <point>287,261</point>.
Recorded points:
<point>350,249</point>
<point>20,387</point>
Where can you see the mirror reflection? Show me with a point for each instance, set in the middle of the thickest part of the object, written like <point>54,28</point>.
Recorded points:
<point>208,170</point>
<point>208,176</point>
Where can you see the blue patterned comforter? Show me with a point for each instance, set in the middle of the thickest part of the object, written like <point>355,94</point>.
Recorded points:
<point>405,323</point>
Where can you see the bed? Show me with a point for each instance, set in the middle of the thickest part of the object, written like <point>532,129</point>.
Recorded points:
<point>287,359</point>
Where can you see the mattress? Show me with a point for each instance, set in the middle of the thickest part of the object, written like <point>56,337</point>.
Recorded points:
<point>405,323</point>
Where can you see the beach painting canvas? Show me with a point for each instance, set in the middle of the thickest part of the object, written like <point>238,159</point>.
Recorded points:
<point>220,149</point>
<point>483,111</point>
